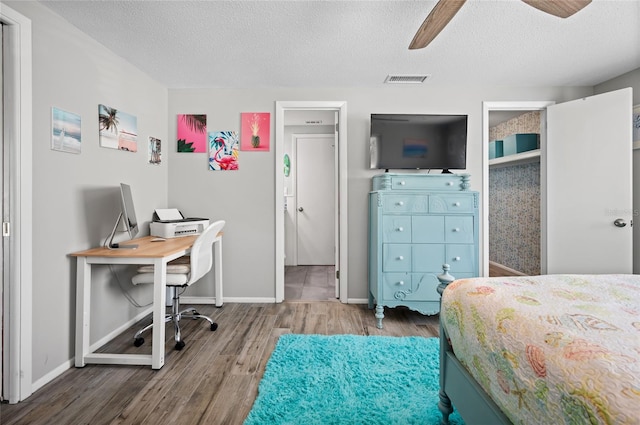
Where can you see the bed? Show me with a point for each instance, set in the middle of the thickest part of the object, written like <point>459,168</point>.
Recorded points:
<point>553,349</point>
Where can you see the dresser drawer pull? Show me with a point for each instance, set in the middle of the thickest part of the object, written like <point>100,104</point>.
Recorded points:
<point>402,183</point>
<point>456,258</point>
<point>400,257</point>
<point>456,229</point>
<point>401,283</point>
<point>449,183</point>
<point>456,204</point>
<point>400,203</point>
<point>400,229</point>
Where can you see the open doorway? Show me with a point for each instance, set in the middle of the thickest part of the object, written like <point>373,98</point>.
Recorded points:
<point>310,207</point>
<point>311,123</point>
<point>502,119</point>
<point>514,193</point>
<point>585,232</point>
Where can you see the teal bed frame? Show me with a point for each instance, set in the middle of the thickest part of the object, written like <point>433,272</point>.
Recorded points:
<point>460,389</point>
<point>457,387</point>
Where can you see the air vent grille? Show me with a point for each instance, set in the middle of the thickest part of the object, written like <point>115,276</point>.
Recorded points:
<point>405,79</point>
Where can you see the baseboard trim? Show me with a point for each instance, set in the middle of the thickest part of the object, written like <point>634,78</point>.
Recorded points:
<point>240,300</point>
<point>249,300</point>
<point>506,269</point>
<point>36,385</point>
<point>197,300</point>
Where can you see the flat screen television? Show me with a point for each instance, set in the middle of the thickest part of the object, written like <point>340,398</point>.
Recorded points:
<point>127,216</point>
<point>418,142</point>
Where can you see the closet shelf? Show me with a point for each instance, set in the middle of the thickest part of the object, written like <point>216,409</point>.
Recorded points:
<point>516,159</point>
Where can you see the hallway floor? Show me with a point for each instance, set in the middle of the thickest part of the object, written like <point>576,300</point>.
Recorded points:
<point>309,283</point>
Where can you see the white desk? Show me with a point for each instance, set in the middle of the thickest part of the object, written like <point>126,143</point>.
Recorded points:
<point>156,253</point>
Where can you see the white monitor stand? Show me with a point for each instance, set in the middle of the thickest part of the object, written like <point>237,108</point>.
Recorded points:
<point>109,242</point>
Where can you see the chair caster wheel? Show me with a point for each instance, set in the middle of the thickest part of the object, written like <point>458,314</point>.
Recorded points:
<point>138,342</point>
<point>214,326</point>
<point>180,345</point>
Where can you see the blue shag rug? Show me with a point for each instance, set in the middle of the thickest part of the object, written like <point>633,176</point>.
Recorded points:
<point>350,379</point>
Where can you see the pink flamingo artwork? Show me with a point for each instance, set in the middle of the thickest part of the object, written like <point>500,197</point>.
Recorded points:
<point>223,151</point>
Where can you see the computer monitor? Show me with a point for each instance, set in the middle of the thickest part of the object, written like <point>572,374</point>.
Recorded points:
<point>127,216</point>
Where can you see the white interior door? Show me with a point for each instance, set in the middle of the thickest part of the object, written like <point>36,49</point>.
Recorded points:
<point>315,199</point>
<point>3,383</point>
<point>587,186</point>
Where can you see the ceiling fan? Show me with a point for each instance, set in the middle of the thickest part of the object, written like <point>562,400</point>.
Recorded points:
<point>445,10</point>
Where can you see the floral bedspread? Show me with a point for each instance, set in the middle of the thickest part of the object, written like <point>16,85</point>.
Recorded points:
<point>555,349</point>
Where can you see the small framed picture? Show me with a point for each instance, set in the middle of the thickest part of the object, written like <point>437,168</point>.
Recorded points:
<point>66,135</point>
<point>155,149</point>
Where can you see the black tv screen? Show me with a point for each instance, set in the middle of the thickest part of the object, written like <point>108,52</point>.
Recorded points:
<point>418,141</point>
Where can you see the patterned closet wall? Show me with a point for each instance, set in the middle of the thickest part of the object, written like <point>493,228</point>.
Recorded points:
<point>514,204</point>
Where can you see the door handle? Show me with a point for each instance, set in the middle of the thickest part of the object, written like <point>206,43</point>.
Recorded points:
<point>619,222</point>
<point>300,209</point>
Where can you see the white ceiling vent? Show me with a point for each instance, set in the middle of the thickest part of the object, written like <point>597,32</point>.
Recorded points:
<point>405,79</point>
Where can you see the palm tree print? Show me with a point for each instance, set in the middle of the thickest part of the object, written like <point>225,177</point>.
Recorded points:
<point>197,123</point>
<point>108,119</point>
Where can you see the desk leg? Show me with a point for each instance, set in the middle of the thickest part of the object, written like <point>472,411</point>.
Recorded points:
<point>159,300</point>
<point>217,247</point>
<point>83,309</point>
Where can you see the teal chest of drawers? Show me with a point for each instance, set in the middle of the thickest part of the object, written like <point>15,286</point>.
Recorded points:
<point>417,223</point>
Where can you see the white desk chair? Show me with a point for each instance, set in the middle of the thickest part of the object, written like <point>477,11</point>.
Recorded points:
<point>183,272</point>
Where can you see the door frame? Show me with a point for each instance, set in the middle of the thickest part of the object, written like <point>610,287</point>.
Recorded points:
<point>342,243</point>
<point>523,106</point>
<point>17,78</point>
<point>294,153</point>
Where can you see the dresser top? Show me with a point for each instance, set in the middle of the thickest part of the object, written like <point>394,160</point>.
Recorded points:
<point>405,181</point>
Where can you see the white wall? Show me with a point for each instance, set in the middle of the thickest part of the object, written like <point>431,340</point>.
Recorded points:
<point>245,197</point>
<point>630,79</point>
<point>75,197</point>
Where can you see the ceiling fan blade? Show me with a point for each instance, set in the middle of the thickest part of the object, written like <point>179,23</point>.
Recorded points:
<point>559,8</point>
<point>437,19</point>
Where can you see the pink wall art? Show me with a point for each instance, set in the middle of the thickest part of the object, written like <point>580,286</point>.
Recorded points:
<point>192,133</point>
<point>223,151</point>
<point>255,131</point>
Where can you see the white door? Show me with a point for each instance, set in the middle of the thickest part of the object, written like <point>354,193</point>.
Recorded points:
<point>3,385</point>
<point>587,165</point>
<point>315,199</point>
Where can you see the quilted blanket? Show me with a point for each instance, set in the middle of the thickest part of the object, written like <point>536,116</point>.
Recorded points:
<point>555,349</point>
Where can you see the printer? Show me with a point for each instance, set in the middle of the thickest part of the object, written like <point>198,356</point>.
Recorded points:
<point>170,223</point>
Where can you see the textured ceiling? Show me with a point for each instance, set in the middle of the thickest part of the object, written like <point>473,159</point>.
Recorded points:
<point>358,43</point>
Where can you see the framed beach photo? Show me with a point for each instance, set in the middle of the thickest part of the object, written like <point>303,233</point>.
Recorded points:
<point>66,135</point>
<point>118,130</point>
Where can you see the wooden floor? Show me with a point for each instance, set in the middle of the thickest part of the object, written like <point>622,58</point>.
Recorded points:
<point>213,380</point>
